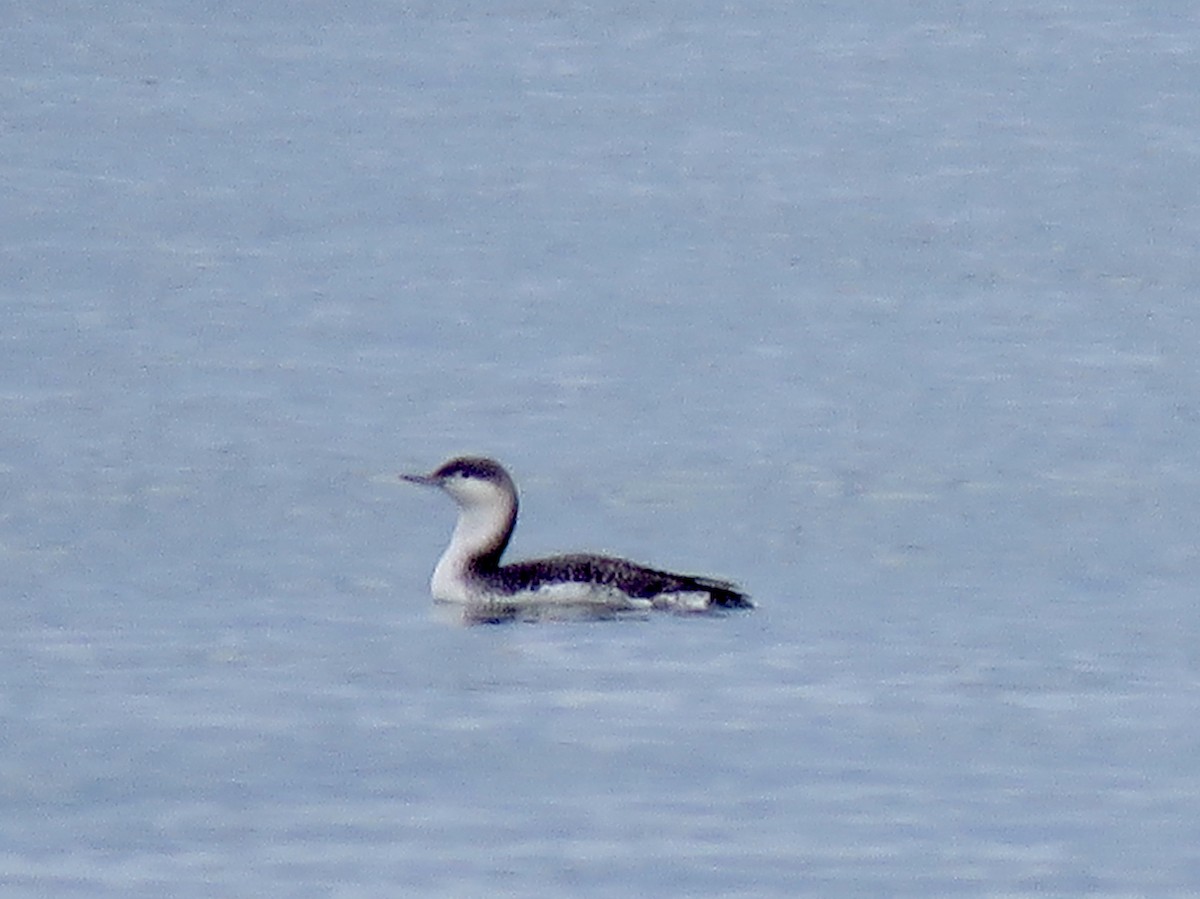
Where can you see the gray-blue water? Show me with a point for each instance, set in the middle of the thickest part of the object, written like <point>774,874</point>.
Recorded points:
<point>888,312</point>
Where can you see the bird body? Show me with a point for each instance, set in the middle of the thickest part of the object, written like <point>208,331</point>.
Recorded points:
<point>470,574</point>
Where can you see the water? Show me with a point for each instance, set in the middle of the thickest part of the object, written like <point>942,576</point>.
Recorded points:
<point>887,315</point>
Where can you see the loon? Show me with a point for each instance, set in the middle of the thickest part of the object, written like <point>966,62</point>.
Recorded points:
<point>470,575</point>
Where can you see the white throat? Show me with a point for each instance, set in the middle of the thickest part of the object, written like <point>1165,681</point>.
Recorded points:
<point>486,516</point>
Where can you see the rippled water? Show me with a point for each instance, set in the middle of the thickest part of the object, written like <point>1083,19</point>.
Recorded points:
<point>885,314</point>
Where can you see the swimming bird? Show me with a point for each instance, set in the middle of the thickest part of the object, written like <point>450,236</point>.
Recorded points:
<point>470,574</point>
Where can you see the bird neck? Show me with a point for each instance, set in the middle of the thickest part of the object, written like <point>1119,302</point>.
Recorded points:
<point>480,537</point>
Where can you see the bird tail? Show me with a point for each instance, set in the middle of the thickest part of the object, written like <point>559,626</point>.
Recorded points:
<point>724,594</point>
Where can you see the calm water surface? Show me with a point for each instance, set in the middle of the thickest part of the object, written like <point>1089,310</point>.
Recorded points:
<point>888,316</point>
